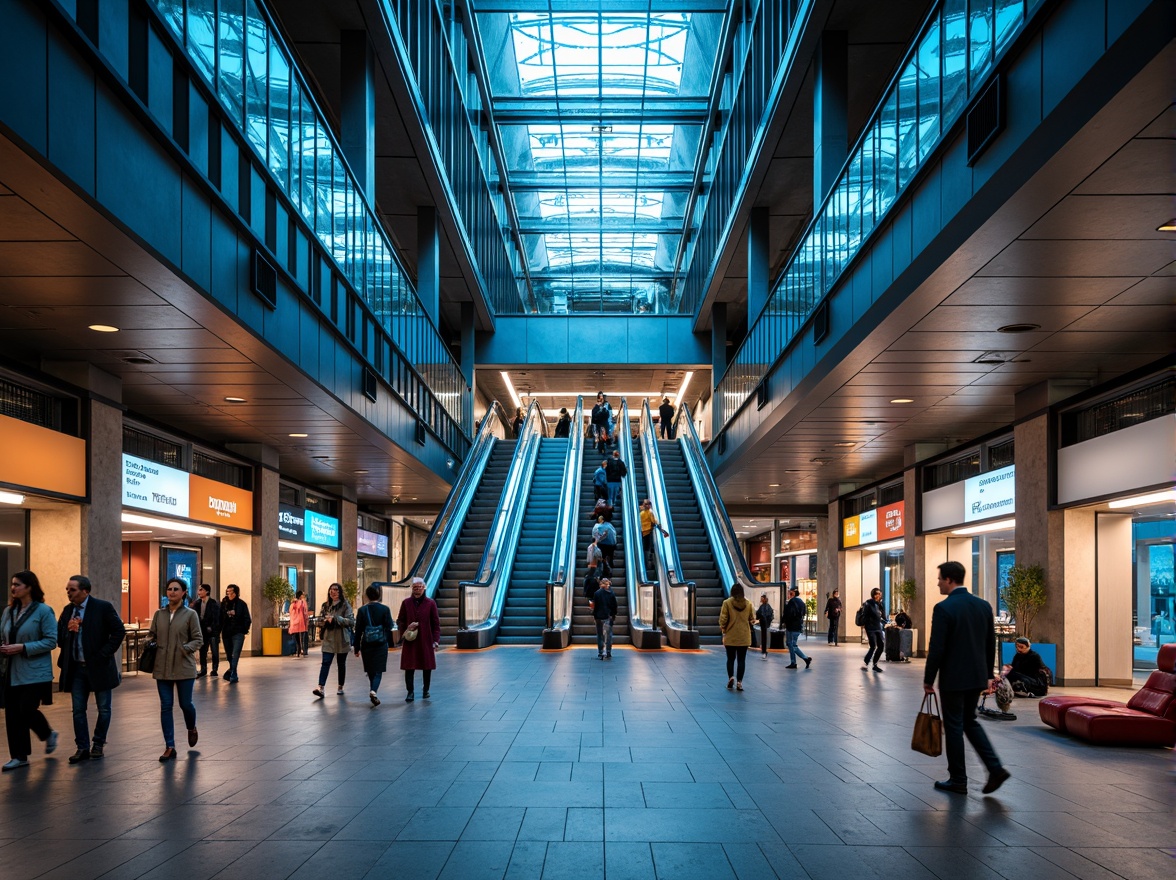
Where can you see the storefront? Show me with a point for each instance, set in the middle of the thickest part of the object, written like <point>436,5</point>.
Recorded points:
<point>372,551</point>
<point>308,543</point>
<point>178,523</point>
<point>873,526</point>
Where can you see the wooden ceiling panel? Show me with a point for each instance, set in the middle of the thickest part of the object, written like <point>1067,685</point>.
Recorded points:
<point>1135,317</point>
<point>50,291</point>
<point>1155,291</point>
<point>20,221</point>
<point>52,258</point>
<point>1022,292</point>
<point>1062,259</point>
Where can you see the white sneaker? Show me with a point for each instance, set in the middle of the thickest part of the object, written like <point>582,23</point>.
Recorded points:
<point>339,691</point>
<point>14,764</point>
<point>372,696</point>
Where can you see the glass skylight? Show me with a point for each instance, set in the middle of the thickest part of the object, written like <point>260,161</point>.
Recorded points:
<point>600,115</point>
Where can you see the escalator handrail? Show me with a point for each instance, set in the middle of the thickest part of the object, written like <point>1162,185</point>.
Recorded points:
<point>665,546</point>
<point>438,547</point>
<point>563,556</point>
<point>729,558</point>
<point>502,542</point>
<point>636,576</point>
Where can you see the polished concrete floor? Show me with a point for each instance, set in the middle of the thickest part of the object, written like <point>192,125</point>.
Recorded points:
<point>527,764</point>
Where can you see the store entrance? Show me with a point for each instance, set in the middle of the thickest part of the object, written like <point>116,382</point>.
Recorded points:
<point>1155,600</point>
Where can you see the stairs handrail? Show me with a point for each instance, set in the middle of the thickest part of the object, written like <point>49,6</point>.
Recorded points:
<point>636,576</point>
<point>563,555</point>
<point>438,547</point>
<point>502,542</point>
<point>665,546</point>
<point>729,559</point>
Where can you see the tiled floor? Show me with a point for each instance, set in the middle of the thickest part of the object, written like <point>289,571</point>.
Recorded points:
<point>529,765</point>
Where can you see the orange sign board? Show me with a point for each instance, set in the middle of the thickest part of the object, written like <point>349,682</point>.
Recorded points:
<point>40,458</point>
<point>219,503</point>
<point>850,531</point>
<point>890,521</point>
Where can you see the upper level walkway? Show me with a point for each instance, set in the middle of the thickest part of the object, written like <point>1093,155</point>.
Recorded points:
<point>526,764</point>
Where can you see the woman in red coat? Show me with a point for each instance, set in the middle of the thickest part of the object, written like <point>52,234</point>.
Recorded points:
<point>418,613</point>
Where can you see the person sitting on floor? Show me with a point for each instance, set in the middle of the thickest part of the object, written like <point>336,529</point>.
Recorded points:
<point>1028,674</point>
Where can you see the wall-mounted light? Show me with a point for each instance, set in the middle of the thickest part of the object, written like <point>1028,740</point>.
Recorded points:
<point>987,527</point>
<point>11,498</point>
<point>137,520</point>
<point>1168,495</point>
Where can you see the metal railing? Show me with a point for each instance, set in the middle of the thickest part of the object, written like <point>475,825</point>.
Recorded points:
<point>562,577</point>
<point>480,600</point>
<point>677,595</point>
<point>644,601</point>
<point>438,547</point>
<point>729,559</point>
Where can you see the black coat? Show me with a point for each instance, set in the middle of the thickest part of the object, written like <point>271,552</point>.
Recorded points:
<point>238,624</point>
<point>962,649</point>
<point>101,633</point>
<point>563,428</point>
<point>615,470</point>
<point>210,621</point>
<point>375,655</point>
<point>604,605</point>
<point>875,616</point>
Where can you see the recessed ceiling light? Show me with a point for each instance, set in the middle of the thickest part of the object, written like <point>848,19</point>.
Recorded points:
<point>361,472</point>
<point>1170,226</point>
<point>234,400</point>
<point>299,435</point>
<point>773,485</point>
<point>846,445</point>
<point>903,400</point>
<point>103,328</point>
<point>1018,328</point>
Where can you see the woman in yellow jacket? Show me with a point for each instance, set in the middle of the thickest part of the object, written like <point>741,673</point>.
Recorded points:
<point>736,618</point>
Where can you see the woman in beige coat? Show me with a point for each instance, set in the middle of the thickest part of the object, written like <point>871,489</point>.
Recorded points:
<point>176,631</point>
<point>736,618</point>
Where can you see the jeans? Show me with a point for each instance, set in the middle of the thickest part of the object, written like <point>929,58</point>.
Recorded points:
<point>326,667</point>
<point>375,678</point>
<point>166,696</point>
<point>80,691</point>
<point>604,637</point>
<point>614,493</point>
<point>234,642</point>
<point>877,646</point>
<point>764,636</point>
<point>794,649</point>
<point>213,642</point>
<point>736,661</point>
<point>834,638</point>
<point>608,552</point>
<point>959,719</point>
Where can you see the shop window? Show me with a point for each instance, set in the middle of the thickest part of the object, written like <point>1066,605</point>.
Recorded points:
<point>325,506</point>
<point>143,445</point>
<point>945,473</point>
<point>1000,455</point>
<point>288,495</point>
<point>37,408</point>
<point>891,494</point>
<point>228,472</point>
<point>1131,408</point>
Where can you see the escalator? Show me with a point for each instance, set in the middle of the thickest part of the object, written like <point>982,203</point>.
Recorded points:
<point>694,545</point>
<point>583,625</point>
<point>524,613</point>
<point>471,543</point>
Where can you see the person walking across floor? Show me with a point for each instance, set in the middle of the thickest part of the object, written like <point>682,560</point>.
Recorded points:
<point>89,632</point>
<point>833,608</point>
<point>764,615</point>
<point>235,623</point>
<point>175,629</point>
<point>373,635</point>
<point>615,470</point>
<point>606,539</point>
<point>962,653</point>
<point>794,614</point>
<point>28,635</point>
<point>736,618</point>
<point>874,622</point>
<point>299,624</point>
<point>336,621</point>
<point>208,610</point>
<point>418,613</point>
<point>665,419</point>
<point>604,612</point>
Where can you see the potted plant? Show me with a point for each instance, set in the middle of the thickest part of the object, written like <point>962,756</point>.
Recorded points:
<point>278,592</point>
<point>908,590</point>
<point>351,591</point>
<point>1024,594</point>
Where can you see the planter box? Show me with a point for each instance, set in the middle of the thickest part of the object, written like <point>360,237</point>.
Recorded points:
<point>276,641</point>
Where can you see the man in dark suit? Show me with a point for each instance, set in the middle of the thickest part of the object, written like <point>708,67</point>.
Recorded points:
<point>962,652</point>
<point>208,610</point>
<point>89,632</point>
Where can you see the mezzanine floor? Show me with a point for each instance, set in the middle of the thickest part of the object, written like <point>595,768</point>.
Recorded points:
<point>529,765</point>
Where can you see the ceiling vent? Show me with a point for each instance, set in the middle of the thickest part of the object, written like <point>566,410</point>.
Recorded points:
<point>996,357</point>
<point>135,358</point>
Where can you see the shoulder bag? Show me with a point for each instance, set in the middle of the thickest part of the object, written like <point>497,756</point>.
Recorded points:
<point>373,634</point>
<point>147,656</point>
<point>928,735</point>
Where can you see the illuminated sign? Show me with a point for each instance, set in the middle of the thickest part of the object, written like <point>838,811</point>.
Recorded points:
<point>219,503</point>
<point>149,485</point>
<point>873,526</point>
<point>991,494</point>
<point>371,543</point>
<point>868,527</point>
<point>322,530</point>
<point>890,521</point>
<point>850,536</point>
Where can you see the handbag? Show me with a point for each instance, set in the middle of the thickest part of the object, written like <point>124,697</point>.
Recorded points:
<point>409,635</point>
<point>147,656</point>
<point>928,735</point>
<point>374,635</point>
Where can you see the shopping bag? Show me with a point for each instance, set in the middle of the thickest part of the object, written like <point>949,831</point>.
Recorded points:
<point>928,735</point>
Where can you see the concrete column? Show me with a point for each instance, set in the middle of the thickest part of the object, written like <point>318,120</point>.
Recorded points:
<point>468,328</point>
<point>758,262</point>
<point>830,111</point>
<point>429,261</point>
<point>831,562</point>
<point>263,555</point>
<point>357,108</point>
<point>101,521</point>
<point>718,362</point>
<point>348,541</point>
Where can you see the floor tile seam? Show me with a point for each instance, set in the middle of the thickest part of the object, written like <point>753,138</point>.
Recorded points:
<point>1074,852</point>
<point>155,845</point>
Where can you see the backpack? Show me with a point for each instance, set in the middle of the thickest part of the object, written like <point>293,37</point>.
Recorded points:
<point>793,613</point>
<point>859,619</point>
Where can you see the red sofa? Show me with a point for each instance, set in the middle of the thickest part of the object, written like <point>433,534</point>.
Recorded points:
<point>1148,718</point>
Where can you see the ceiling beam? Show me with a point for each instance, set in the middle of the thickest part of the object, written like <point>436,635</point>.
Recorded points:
<point>588,110</point>
<point>644,181</point>
<point>576,226</point>
<point>655,7</point>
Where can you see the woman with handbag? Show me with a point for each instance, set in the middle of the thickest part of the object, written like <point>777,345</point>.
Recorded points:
<point>28,635</point>
<point>373,635</point>
<point>420,627</point>
<point>175,629</point>
<point>336,621</point>
<point>299,624</point>
<point>736,619</point>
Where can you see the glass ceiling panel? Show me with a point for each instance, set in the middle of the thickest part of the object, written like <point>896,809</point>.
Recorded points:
<point>600,129</point>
